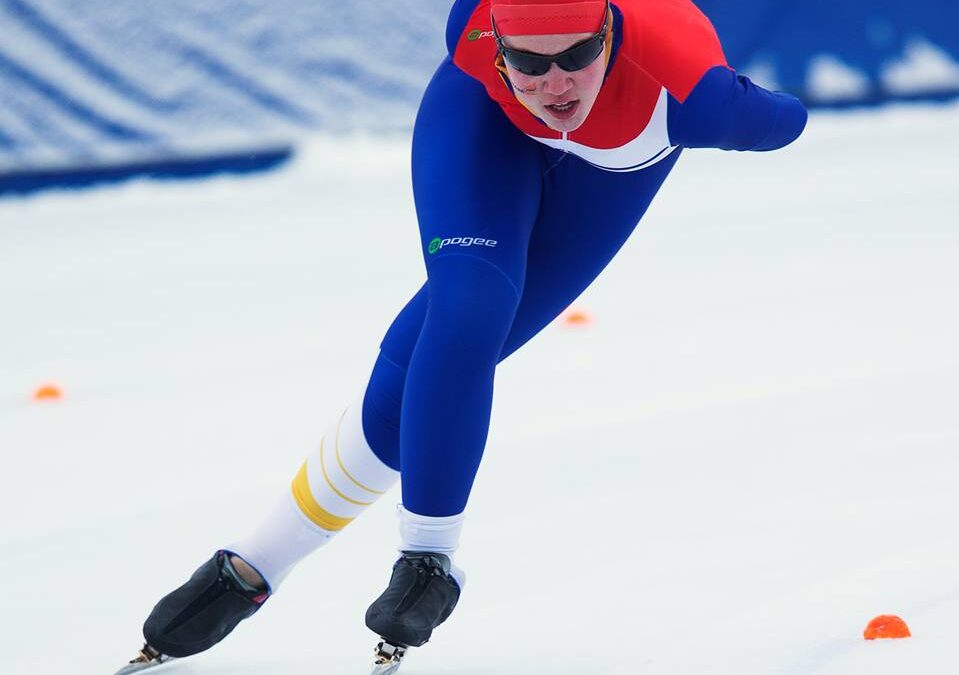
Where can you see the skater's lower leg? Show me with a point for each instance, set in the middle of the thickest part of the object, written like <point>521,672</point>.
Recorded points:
<point>332,488</point>
<point>444,422</point>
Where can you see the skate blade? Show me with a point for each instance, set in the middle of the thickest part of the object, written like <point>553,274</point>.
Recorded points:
<point>143,666</point>
<point>388,658</point>
<point>386,668</point>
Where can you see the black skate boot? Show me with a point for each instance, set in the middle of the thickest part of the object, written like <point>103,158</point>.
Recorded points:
<point>198,614</point>
<point>421,595</point>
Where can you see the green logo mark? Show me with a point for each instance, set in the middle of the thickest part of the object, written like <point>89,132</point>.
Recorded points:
<point>474,35</point>
<point>437,243</point>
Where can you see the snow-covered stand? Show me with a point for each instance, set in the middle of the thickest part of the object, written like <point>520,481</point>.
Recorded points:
<point>94,90</point>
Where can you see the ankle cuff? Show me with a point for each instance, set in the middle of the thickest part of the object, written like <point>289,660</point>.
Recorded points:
<point>439,534</point>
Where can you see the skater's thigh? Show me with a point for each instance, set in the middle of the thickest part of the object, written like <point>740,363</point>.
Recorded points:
<point>586,216</point>
<point>477,182</point>
<point>477,179</point>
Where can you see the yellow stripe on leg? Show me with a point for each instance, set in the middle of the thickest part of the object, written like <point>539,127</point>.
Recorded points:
<point>326,477</point>
<point>311,509</point>
<point>343,466</point>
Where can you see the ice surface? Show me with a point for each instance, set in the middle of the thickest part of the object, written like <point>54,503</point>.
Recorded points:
<point>749,454</point>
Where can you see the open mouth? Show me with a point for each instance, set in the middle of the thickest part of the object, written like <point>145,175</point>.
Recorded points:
<point>563,111</point>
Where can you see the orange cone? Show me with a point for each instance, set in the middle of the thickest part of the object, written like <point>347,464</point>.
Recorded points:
<point>577,317</point>
<point>48,392</point>
<point>886,626</point>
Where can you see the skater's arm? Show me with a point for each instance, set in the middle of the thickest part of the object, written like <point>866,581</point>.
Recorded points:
<point>729,112</point>
<point>710,106</point>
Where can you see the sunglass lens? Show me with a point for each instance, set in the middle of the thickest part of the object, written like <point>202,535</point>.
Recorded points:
<point>571,60</point>
<point>528,64</point>
<point>581,56</point>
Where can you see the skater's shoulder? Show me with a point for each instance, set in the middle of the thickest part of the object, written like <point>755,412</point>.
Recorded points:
<point>469,21</point>
<point>670,40</point>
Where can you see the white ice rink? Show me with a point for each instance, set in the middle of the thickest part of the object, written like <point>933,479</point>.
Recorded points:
<point>752,451</point>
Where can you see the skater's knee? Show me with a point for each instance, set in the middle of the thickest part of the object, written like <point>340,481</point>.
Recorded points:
<point>472,306</point>
<point>382,403</point>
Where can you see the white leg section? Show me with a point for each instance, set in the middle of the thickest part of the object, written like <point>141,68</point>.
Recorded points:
<point>432,533</point>
<point>334,485</point>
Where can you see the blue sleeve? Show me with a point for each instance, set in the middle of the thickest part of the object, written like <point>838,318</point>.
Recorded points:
<point>729,112</point>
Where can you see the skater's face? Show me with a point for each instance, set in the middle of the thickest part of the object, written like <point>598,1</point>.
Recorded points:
<point>561,98</point>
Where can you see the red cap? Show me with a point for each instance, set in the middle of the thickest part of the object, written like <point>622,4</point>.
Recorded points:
<point>547,17</point>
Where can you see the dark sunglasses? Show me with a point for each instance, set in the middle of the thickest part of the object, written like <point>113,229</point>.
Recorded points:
<point>575,58</point>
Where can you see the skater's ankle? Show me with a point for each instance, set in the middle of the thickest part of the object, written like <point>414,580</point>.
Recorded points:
<point>247,573</point>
